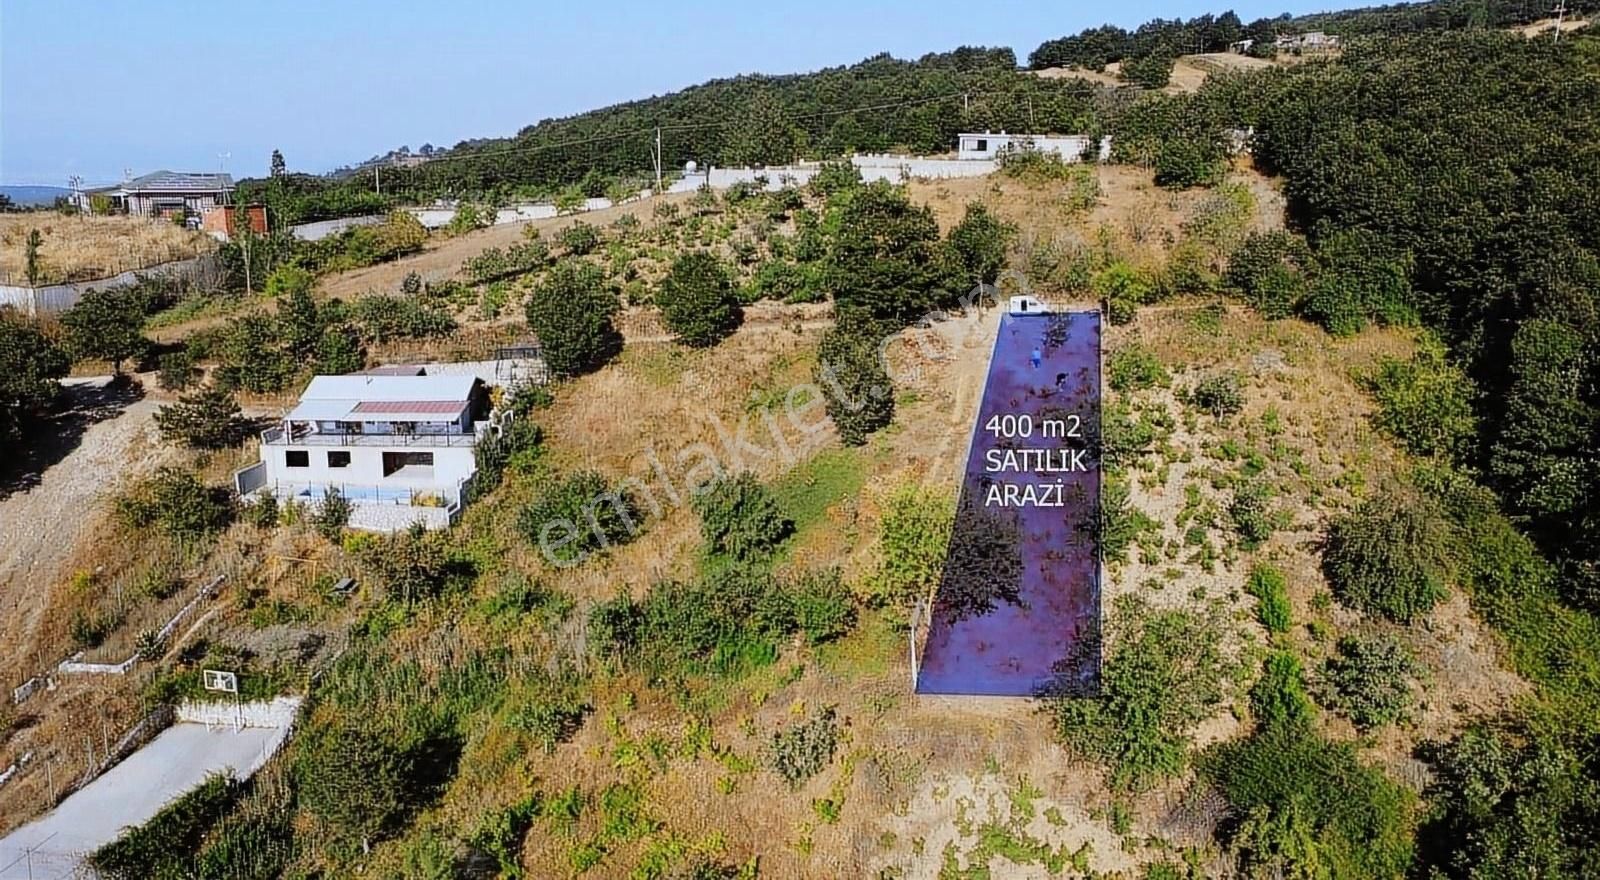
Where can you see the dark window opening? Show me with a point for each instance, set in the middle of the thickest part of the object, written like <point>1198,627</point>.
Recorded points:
<point>982,145</point>
<point>297,458</point>
<point>338,458</point>
<point>394,461</point>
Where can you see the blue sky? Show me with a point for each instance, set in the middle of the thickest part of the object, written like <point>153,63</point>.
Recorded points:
<point>92,88</point>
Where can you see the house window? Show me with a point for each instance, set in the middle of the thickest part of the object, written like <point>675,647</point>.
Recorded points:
<point>338,458</point>
<point>983,145</point>
<point>297,458</point>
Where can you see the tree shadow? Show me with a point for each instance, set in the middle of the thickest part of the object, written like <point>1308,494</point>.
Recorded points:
<point>47,440</point>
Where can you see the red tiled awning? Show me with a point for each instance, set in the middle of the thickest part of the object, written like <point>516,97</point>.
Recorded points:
<point>419,407</point>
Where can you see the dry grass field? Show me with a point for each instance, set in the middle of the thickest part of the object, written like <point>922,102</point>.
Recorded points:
<point>82,248</point>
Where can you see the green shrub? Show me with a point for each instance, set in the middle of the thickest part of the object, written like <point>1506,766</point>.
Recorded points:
<point>384,318</point>
<point>725,623</point>
<point>802,750</point>
<point>333,514</point>
<point>913,542</point>
<point>1391,557</point>
<point>833,178</point>
<point>176,502</point>
<point>1164,673</point>
<point>1135,368</point>
<point>579,238</point>
<point>858,394</point>
<point>289,279</point>
<point>1271,590</point>
<point>516,446</point>
<point>1425,403</point>
<point>551,711</point>
<point>824,608</point>
<point>580,515</point>
<point>1251,513</point>
<point>176,370</point>
<point>1268,270</point>
<point>414,565</point>
<point>978,245</point>
<point>262,512</point>
<point>739,517</point>
<point>698,301</point>
<point>163,846</point>
<point>571,314</point>
<point>1221,395</point>
<point>1509,804</point>
<point>1120,524</point>
<point>1278,699</point>
<point>207,419</point>
<point>1152,70</point>
<point>1370,680</point>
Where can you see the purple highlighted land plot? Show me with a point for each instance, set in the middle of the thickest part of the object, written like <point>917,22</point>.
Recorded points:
<point>1018,605</point>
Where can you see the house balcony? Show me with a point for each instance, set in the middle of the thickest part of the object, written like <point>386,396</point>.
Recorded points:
<point>297,435</point>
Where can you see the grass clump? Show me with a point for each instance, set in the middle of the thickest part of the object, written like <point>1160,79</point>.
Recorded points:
<point>1136,368</point>
<point>1271,590</point>
<point>801,751</point>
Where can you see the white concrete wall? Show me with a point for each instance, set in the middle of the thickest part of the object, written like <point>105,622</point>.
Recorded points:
<point>451,464</point>
<point>56,298</point>
<point>279,712</point>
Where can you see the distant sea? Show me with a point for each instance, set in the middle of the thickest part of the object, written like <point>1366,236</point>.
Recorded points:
<point>34,195</point>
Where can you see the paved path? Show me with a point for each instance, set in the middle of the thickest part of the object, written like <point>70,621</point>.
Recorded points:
<point>129,794</point>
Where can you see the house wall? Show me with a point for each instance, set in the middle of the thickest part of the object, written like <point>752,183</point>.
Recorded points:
<point>451,465</point>
<point>145,203</point>
<point>1069,147</point>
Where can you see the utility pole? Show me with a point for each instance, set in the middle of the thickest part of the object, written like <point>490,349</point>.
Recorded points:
<point>1561,14</point>
<point>377,186</point>
<point>658,160</point>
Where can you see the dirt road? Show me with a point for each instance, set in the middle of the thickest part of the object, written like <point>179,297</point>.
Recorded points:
<point>102,438</point>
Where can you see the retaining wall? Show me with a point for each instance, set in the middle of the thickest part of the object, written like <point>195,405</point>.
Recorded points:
<point>53,299</point>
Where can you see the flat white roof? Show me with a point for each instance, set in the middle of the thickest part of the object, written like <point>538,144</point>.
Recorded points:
<point>367,398</point>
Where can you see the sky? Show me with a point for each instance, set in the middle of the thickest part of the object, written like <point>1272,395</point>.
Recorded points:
<point>99,88</point>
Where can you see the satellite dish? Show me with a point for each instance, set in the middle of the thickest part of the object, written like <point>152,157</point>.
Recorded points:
<point>689,167</point>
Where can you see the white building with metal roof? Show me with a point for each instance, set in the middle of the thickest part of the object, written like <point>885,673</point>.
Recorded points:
<point>161,193</point>
<point>401,448</point>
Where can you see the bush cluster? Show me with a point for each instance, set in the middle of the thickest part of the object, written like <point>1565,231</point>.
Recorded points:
<point>1391,556</point>
<point>802,750</point>
<point>724,623</point>
<point>740,517</point>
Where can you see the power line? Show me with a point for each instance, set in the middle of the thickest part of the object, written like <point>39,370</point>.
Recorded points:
<point>697,126</point>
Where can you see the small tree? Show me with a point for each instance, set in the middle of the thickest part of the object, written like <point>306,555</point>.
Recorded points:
<point>571,314</point>
<point>697,300</point>
<point>252,356</point>
<point>1390,556</point>
<point>207,419</point>
<point>339,351</point>
<point>1219,395</point>
<point>30,364</point>
<point>105,325</point>
<point>856,389</point>
<point>31,257</point>
<point>978,244</point>
<point>278,167</point>
<point>333,515</point>
<point>739,517</point>
<point>176,502</point>
<point>176,370</point>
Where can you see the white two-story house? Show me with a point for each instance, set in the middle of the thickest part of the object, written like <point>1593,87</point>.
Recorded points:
<point>401,448</point>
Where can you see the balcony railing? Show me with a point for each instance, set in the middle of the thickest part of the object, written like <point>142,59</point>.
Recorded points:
<point>277,436</point>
